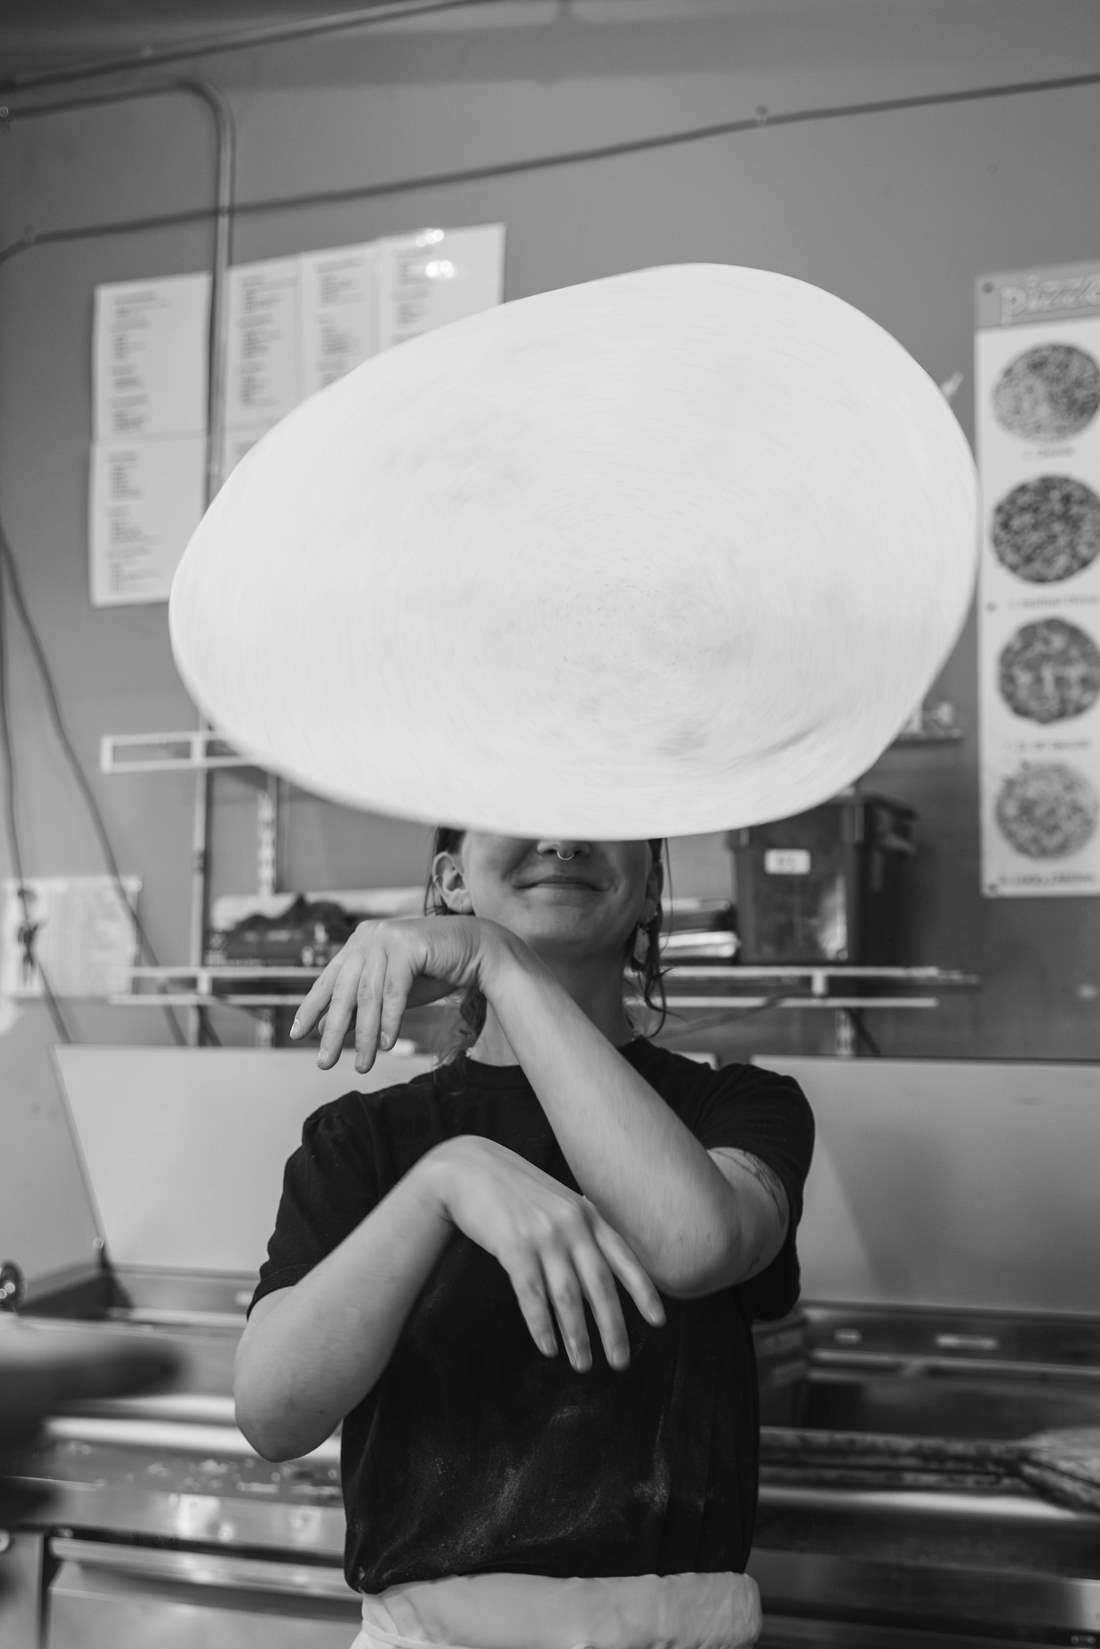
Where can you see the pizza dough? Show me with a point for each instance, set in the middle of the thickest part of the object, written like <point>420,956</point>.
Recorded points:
<point>1048,529</point>
<point>666,553</point>
<point>1048,393</point>
<point>1047,810</point>
<point>1050,671</point>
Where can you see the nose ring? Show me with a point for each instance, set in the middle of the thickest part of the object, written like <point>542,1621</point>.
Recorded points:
<point>564,857</point>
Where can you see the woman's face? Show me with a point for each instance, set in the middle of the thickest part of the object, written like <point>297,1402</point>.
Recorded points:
<point>587,905</point>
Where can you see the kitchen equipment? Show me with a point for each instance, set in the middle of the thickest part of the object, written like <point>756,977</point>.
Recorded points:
<point>827,885</point>
<point>948,1254</point>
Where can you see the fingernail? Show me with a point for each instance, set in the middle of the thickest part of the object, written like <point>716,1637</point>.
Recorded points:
<point>618,1359</point>
<point>295,1027</point>
<point>386,1040</point>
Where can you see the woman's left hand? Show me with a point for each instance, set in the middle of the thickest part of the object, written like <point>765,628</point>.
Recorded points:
<point>387,967</point>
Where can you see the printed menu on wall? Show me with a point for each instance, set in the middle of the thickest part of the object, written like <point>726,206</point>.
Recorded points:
<point>1038,426</point>
<point>433,277</point>
<point>295,325</point>
<point>148,458</point>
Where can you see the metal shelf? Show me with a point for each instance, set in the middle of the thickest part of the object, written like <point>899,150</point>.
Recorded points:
<point>819,975</point>
<point>197,987</point>
<point>847,1004</point>
<point>193,751</point>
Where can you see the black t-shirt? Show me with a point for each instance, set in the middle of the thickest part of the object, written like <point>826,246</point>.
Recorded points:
<point>475,1453</point>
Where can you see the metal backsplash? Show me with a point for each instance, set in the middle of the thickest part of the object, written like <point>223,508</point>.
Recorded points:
<point>949,1183</point>
<point>183,1149</point>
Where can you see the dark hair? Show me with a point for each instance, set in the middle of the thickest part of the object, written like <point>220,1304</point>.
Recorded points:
<point>649,976</point>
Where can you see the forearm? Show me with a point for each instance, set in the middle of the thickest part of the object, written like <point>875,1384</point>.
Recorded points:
<point>630,1154</point>
<point>323,1347</point>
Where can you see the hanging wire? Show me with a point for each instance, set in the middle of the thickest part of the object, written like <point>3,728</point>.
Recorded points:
<point>11,584</point>
<point>28,930</point>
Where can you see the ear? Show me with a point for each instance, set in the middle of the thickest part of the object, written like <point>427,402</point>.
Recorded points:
<point>447,875</point>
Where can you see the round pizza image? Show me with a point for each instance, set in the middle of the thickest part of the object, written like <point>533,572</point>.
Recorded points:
<point>1048,393</point>
<point>1047,810</point>
<point>1049,671</point>
<point>1048,529</point>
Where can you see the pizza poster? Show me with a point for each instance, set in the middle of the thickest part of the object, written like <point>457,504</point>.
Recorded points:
<point>1037,383</point>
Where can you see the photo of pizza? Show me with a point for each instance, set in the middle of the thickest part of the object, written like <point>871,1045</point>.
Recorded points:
<point>1049,671</point>
<point>1047,810</point>
<point>1048,529</point>
<point>1048,393</point>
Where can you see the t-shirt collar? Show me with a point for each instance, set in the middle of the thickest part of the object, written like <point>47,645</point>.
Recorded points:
<point>636,1052</point>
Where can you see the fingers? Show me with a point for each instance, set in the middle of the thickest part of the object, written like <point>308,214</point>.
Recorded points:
<point>579,1263</point>
<point>368,1008</point>
<point>566,1297</point>
<point>395,996</point>
<point>598,1284</point>
<point>530,1291</point>
<point>625,1265</point>
<point>345,998</point>
<point>315,1001</point>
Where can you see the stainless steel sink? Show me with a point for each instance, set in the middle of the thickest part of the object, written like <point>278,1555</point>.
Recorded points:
<point>935,1404</point>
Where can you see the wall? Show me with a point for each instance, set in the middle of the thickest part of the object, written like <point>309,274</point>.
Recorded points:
<point>448,120</point>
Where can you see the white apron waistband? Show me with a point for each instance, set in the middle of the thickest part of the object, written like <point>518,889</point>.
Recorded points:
<point>503,1611</point>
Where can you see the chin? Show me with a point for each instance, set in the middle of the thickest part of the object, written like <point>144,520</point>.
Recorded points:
<point>561,945</point>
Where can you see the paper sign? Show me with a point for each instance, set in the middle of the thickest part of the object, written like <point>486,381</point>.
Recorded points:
<point>236,443</point>
<point>339,313</point>
<point>264,354</point>
<point>76,930</point>
<point>145,501</point>
<point>437,276</point>
<point>294,326</point>
<point>1038,426</point>
<point>149,354</point>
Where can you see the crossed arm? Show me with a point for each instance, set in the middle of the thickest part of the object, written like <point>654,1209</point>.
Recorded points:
<point>698,1220</point>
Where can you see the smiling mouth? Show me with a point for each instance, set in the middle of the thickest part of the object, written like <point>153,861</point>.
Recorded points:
<point>564,881</point>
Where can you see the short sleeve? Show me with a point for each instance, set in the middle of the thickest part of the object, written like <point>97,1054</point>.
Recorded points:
<point>767,1115</point>
<point>329,1185</point>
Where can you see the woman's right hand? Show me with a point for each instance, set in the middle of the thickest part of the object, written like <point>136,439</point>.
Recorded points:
<point>557,1249</point>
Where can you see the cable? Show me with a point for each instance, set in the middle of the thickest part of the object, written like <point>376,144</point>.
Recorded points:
<point>607,151</point>
<point>10,572</point>
<point>239,40</point>
<point>855,1019</point>
<point>28,931</point>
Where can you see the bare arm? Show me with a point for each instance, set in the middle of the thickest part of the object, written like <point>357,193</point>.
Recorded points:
<point>316,1351</point>
<point>697,1222</point>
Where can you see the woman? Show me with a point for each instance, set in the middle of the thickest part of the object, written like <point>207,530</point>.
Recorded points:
<point>432,1238</point>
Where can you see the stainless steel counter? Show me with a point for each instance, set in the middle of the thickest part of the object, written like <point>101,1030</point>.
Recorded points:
<point>162,1513</point>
